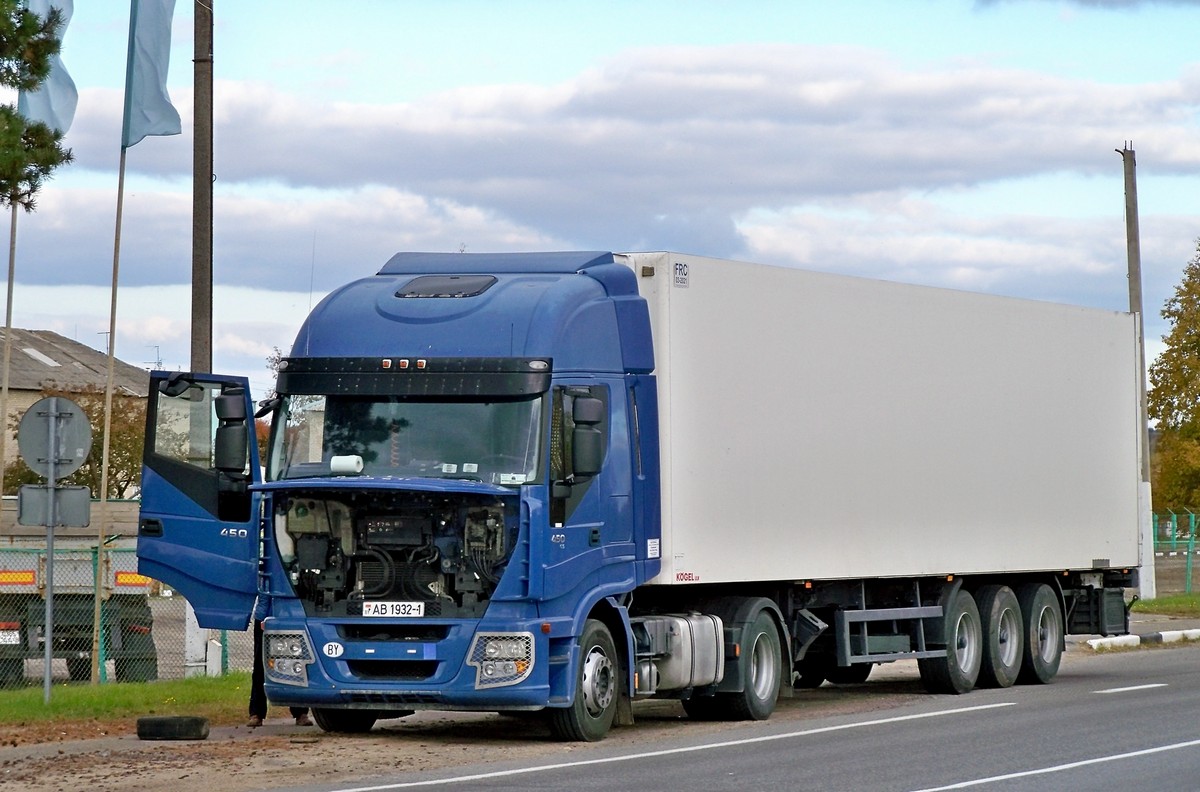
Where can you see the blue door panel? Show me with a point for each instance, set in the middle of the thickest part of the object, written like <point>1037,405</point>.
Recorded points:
<point>185,538</point>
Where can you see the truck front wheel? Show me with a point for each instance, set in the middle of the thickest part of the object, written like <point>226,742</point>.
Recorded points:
<point>597,688</point>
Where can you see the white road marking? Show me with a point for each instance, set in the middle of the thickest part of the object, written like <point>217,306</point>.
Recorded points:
<point>1062,767</point>
<point>1134,687</point>
<point>672,751</point>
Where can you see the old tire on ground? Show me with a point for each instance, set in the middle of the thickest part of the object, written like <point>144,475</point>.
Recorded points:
<point>345,721</point>
<point>1003,636</point>
<point>1043,633</point>
<point>851,674</point>
<point>172,727</point>
<point>958,671</point>
<point>597,689</point>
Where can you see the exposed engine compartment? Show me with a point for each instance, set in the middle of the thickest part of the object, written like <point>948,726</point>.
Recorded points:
<point>431,554</point>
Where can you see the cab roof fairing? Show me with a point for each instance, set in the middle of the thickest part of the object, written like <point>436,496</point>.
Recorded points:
<point>539,307</point>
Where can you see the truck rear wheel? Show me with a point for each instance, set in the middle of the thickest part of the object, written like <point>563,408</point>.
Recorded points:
<point>958,671</point>
<point>597,689</point>
<point>1003,636</point>
<point>764,663</point>
<point>763,660</point>
<point>1043,633</point>
<point>344,721</point>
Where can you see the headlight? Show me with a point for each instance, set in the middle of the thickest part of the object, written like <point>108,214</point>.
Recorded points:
<point>501,659</point>
<point>286,656</point>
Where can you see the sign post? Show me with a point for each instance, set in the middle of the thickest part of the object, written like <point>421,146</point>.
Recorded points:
<point>54,439</point>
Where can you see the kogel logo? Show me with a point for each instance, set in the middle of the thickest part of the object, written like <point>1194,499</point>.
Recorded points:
<point>681,274</point>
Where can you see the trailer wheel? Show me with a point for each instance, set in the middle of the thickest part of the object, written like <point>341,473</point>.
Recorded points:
<point>958,671</point>
<point>811,672</point>
<point>1043,633</point>
<point>1003,636</point>
<point>344,721</point>
<point>851,674</point>
<point>597,689</point>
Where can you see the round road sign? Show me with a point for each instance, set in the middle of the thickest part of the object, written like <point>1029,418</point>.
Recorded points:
<point>73,434</point>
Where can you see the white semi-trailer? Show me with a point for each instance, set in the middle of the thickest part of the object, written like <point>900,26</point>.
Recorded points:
<point>567,481</point>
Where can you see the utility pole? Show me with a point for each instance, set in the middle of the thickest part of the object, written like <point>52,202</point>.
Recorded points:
<point>195,639</point>
<point>202,189</point>
<point>1148,580</point>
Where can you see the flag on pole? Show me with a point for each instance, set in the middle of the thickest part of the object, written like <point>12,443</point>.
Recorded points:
<point>148,108</point>
<point>54,101</point>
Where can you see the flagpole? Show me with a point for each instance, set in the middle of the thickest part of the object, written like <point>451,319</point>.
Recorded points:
<point>108,398</point>
<point>12,268</point>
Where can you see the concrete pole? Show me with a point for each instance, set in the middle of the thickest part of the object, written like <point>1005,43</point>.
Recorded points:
<point>195,639</point>
<point>1149,584</point>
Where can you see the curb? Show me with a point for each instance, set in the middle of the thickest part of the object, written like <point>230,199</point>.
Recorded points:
<point>1171,636</point>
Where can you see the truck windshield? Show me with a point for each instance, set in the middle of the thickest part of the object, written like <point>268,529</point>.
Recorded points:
<point>495,442</point>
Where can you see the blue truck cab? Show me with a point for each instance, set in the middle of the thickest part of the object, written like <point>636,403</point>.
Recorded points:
<point>459,493</point>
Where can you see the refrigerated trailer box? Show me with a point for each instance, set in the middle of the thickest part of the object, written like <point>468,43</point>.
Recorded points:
<point>823,426</point>
<point>569,481</point>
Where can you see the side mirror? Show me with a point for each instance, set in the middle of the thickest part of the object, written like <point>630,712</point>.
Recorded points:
<point>587,441</point>
<point>232,442</point>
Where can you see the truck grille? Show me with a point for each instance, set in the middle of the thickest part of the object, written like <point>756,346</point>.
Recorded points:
<point>399,670</point>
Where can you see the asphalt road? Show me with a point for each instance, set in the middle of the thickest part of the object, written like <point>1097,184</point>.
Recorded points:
<point>1110,721</point>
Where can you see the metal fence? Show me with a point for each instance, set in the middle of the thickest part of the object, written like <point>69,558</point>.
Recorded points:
<point>142,623</point>
<point>1174,550</point>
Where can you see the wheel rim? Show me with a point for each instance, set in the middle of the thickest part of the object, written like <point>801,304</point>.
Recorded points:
<point>966,649</point>
<point>763,671</point>
<point>598,682</point>
<point>1006,639</point>
<point>1048,635</point>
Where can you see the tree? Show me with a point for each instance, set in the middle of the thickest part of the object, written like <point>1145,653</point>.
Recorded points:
<point>1174,397</point>
<point>127,436</point>
<point>29,152</point>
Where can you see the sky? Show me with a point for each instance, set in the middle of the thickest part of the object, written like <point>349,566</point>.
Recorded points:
<point>968,144</point>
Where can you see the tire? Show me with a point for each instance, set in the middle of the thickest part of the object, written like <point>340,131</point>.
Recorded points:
<point>1003,636</point>
<point>958,671</point>
<point>12,672</point>
<point>850,675</point>
<point>172,727</point>
<point>763,672</point>
<point>1043,633</point>
<point>597,689</point>
<point>344,721</point>
<point>79,669</point>
<point>764,666</point>
<point>136,669</point>
<point>811,672</point>
<point>706,708</point>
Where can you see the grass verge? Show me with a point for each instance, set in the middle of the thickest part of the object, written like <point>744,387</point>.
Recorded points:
<point>223,700</point>
<point>1180,605</point>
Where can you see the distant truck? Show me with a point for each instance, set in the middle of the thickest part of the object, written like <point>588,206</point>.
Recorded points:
<point>565,482</point>
<point>126,619</point>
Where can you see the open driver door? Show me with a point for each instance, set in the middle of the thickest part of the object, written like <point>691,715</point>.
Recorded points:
<point>198,530</point>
